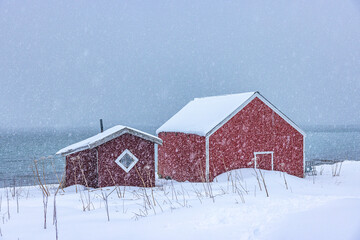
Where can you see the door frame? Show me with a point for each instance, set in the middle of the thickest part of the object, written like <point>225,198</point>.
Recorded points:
<point>266,152</point>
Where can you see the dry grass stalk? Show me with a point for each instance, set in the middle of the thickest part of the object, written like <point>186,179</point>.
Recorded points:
<point>263,179</point>
<point>105,197</point>
<point>152,188</point>
<point>27,194</point>
<point>145,196</point>
<point>257,178</point>
<point>314,174</point>
<point>44,174</point>
<point>75,176</point>
<point>123,205</point>
<point>338,174</point>
<point>197,192</point>
<point>8,204</point>
<point>142,179</point>
<point>123,195</point>
<point>83,173</point>
<point>206,184</point>
<point>13,189</point>
<point>45,204</point>
<point>61,185</point>
<point>85,200</point>
<point>17,202</point>
<point>210,190</point>
<point>55,221</point>
<point>40,182</point>
<point>202,174</point>
<point>118,190</point>
<point>229,177</point>
<point>183,193</point>
<point>241,195</point>
<point>336,169</point>
<point>173,191</point>
<point>240,180</point>
<point>285,182</point>
<point>57,177</point>
<point>159,205</point>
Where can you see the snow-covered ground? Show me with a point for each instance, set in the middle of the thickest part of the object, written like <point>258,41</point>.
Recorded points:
<point>233,207</point>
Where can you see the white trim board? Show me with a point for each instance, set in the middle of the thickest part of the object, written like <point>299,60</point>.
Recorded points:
<point>263,153</point>
<point>207,158</point>
<point>304,155</point>
<point>156,158</point>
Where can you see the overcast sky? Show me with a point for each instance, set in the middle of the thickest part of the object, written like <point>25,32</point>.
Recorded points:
<point>69,63</point>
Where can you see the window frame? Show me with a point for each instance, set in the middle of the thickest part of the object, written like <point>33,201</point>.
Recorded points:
<point>264,153</point>
<point>126,169</point>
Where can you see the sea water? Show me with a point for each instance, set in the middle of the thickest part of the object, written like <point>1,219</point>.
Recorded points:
<point>24,155</point>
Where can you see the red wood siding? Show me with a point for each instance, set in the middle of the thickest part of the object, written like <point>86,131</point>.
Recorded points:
<point>256,128</point>
<point>142,173</point>
<point>81,168</point>
<point>182,157</point>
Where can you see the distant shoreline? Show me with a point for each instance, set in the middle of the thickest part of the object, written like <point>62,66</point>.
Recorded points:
<point>331,128</point>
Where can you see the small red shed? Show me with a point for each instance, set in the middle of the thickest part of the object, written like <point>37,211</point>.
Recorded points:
<point>212,135</point>
<point>118,156</point>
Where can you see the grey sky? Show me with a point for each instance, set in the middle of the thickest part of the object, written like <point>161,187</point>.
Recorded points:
<point>69,63</point>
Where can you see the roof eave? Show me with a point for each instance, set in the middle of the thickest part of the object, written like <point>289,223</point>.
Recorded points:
<point>268,103</point>
<point>225,120</point>
<point>71,151</point>
<point>281,114</point>
<point>112,136</point>
<point>143,135</point>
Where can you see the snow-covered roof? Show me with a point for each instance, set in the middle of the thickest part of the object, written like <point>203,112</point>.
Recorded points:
<point>201,115</point>
<point>106,136</point>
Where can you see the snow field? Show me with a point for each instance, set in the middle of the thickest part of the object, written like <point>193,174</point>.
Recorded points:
<point>232,207</point>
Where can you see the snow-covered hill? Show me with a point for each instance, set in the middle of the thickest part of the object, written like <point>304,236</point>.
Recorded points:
<point>234,206</point>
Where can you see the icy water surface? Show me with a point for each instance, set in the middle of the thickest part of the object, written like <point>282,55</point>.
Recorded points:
<point>19,149</point>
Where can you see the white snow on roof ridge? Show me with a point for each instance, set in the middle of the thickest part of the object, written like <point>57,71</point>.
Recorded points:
<point>97,139</point>
<point>224,95</point>
<point>201,115</point>
<point>86,142</point>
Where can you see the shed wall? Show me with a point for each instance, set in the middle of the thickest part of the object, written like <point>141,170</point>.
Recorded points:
<point>81,168</point>
<point>143,173</point>
<point>182,156</point>
<point>256,128</point>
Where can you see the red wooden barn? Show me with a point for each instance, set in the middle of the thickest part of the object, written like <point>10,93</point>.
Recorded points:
<point>118,156</point>
<point>212,135</point>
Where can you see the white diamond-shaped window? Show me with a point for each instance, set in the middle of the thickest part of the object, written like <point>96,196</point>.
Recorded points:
<point>126,160</point>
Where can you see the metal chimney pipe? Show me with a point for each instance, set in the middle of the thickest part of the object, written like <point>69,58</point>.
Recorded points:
<point>101,125</point>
